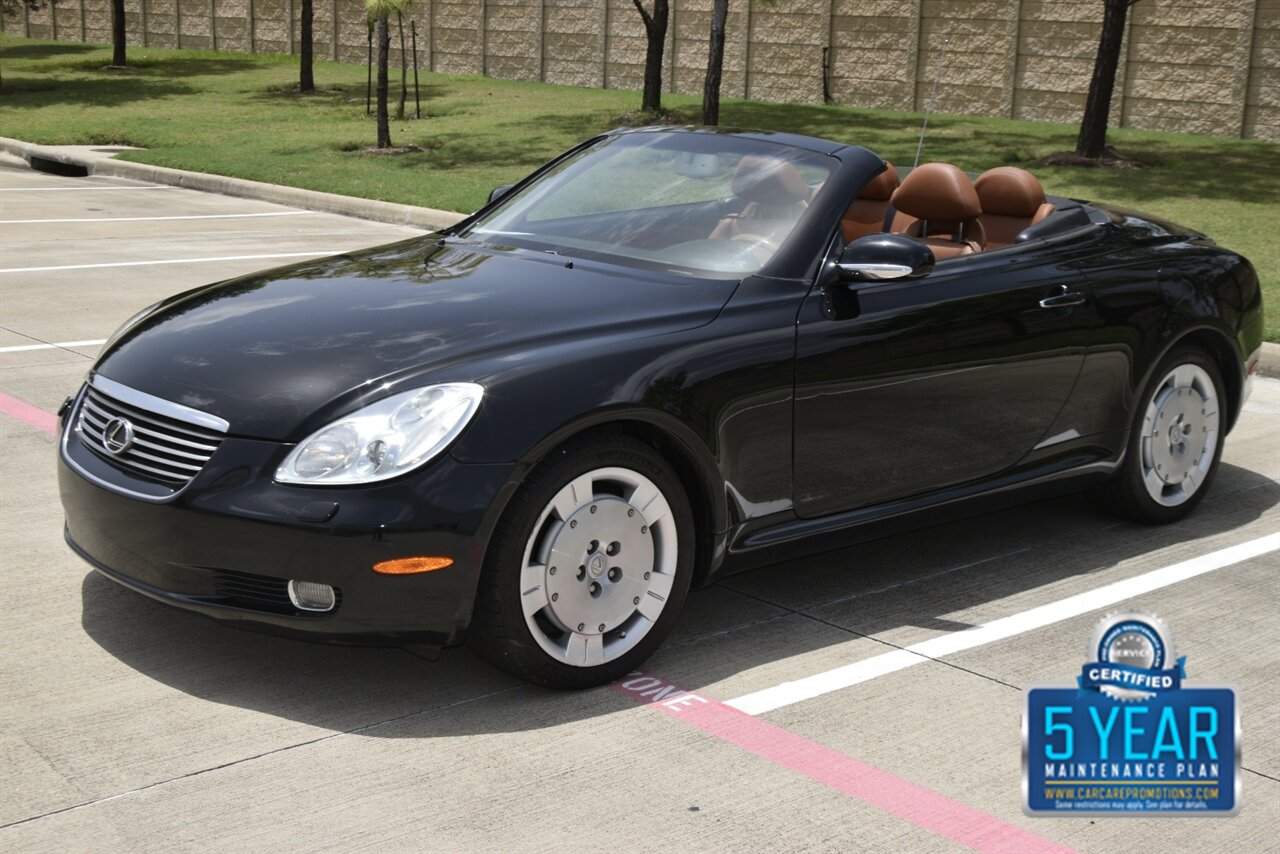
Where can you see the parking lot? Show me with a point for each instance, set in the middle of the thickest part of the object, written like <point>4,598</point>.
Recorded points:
<point>864,699</point>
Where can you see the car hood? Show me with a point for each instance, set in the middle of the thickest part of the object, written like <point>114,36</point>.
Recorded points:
<point>277,354</point>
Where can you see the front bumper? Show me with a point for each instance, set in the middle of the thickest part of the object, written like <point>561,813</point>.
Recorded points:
<point>228,543</point>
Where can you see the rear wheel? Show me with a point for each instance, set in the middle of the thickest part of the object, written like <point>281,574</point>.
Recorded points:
<point>589,567</point>
<point>1176,442</point>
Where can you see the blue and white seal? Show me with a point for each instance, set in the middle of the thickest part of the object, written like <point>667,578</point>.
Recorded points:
<point>1131,736</point>
<point>1129,658</point>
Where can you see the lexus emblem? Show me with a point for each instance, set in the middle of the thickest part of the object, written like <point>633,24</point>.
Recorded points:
<point>117,436</point>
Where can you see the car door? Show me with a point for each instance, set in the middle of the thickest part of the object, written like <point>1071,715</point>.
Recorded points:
<point>908,387</point>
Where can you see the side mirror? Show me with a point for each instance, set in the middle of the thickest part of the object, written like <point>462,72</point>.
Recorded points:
<point>880,257</point>
<point>499,192</point>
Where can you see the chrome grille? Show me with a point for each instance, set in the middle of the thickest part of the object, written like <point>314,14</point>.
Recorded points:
<point>163,449</point>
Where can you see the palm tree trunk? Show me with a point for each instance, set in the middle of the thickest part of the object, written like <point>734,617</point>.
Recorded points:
<point>715,64</point>
<point>118,37</point>
<point>384,48</point>
<point>404,69</point>
<point>306,80</point>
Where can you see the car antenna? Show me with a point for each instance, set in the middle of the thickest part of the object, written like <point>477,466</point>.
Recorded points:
<point>933,99</point>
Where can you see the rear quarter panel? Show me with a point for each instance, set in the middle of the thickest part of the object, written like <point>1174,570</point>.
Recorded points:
<point>1155,289</point>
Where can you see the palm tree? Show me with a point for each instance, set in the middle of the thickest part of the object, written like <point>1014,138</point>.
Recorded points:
<point>404,67</point>
<point>379,10</point>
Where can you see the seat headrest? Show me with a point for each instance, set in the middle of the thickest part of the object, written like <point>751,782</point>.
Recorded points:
<point>768,180</point>
<point>881,187</point>
<point>938,191</point>
<point>1009,191</point>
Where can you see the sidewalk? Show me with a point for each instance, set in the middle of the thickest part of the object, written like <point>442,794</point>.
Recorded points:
<point>100,160</point>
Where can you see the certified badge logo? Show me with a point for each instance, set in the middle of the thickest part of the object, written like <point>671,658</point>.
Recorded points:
<point>1131,736</point>
<point>1128,653</point>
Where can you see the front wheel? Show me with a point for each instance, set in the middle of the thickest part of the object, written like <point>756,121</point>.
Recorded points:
<point>1176,443</point>
<point>589,567</point>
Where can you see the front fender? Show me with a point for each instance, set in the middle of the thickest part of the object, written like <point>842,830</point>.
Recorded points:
<point>718,396</point>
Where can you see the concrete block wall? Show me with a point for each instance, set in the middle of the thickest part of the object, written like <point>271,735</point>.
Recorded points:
<point>1262,87</point>
<point>874,53</point>
<point>573,42</point>
<point>513,49</point>
<point>783,50</point>
<point>1203,66</point>
<point>626,46</point>
<point>1183,56</point>
<point>1057,42</point>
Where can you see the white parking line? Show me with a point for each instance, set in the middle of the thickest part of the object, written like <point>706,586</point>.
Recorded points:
<point>789,693</point>
<point>22,348</point>
<point>85,188</point>
<point>168,261</point>
<point>154,218</point>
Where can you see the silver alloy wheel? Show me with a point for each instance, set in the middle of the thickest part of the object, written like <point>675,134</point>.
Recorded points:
<point>1179,435</point>
<point>599,566</point>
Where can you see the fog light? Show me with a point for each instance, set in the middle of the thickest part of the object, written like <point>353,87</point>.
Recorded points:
<point>310,596</point>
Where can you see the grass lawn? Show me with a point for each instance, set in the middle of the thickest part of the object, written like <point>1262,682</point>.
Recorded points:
<point>233,114</point>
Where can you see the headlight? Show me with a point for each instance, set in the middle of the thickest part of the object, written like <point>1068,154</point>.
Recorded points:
<point>385,439</point>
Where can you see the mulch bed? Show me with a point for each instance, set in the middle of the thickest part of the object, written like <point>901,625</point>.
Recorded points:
<point>1110,159</point>
<point>393,150</point>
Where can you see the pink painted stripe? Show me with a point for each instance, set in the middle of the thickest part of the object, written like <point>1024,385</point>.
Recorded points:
<point>906,800</point>
<point>29,414</point>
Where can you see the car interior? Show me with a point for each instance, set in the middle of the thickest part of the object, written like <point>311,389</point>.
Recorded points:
<point>774,194</point>
<point>938,204</point>
<point>935,203</point>
<point>941,206</point>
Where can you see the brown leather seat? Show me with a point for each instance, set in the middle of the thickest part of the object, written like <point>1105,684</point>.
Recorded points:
<point>943,201</point>
<point>866,213</point>
<point>1011,199</point>
<point>775,194</point>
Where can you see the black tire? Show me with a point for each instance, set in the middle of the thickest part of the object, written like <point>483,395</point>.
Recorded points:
<point>1128,494</point>
<point>500,632</point>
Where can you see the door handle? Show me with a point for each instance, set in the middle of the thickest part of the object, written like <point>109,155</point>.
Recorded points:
<point>1063,299</point>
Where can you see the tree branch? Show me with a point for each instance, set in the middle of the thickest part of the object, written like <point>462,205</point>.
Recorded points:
<point>648,19</point>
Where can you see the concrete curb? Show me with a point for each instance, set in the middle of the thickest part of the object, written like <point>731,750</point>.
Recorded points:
<point>1269,364</point>
<point>105,164</point>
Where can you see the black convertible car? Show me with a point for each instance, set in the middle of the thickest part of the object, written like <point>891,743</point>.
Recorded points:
<point>665,355</point>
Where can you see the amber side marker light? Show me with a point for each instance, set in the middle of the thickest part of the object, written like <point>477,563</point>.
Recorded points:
<point>412,565</point>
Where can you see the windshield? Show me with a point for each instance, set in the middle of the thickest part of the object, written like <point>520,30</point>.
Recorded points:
<point>690,202</point>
